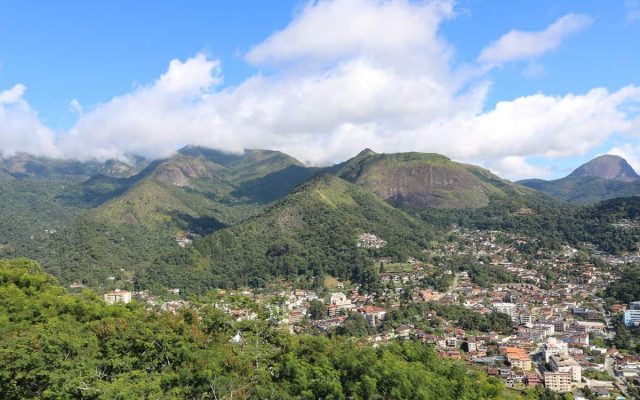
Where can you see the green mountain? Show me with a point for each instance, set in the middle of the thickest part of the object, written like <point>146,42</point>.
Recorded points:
<point>37,196</point>
<point>421,181</point>
<point>198,189</point>
<point>605,177</point>
<point>133,222</point>
<point>261,215</point>
<point>312,232</point>
<point>24,165</point>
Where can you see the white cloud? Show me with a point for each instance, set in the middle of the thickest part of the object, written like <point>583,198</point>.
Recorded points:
<point>630,152</point>
<point>12,95</point>
<point>385,81</point>
<point>518,168</point>
<point>75,106</point>
<point>20,127</point>
<point>518,45</point>
<point>632,8</point>
<point>151,120</point>
<point>325,31</point>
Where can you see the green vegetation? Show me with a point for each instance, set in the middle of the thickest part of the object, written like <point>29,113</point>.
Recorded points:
<point>626,288</point>
<point>106,223</point>
<point>57,345</point>
<point>593,373</point>
<point>313,233</point>
<point>419,181</point>
<point>551,226</point>
<point>581,190</point>
<point>416,313</point>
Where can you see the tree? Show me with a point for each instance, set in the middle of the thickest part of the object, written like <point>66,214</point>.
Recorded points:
<point>317,309</point>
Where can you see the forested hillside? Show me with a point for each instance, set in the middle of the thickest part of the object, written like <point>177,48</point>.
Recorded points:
<point>119,228</point>
<point>313,232</point>
<point>57,345</point>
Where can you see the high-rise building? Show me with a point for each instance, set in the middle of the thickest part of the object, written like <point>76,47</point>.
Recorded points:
<point>632,315</point>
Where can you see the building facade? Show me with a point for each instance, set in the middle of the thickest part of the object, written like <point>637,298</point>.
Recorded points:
<point>558,381</point>
<point>632,315</point>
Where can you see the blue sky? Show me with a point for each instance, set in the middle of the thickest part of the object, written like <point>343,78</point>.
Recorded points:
<point>321,80</point>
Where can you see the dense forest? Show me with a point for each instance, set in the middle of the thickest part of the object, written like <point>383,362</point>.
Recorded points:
<point>60,345</point>
<point>312,233</point>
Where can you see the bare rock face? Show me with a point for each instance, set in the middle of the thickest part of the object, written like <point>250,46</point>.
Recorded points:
<point>427,186</point>
<point>178,172</point>
<point>607,167</point>
<point>173,177</point>
<point>418,180</point>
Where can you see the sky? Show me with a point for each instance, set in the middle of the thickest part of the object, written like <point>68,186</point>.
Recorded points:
<point>524,88</point>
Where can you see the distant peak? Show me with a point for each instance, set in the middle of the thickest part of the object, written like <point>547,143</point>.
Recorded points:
<point>366,152</point>
<point>608,166</point>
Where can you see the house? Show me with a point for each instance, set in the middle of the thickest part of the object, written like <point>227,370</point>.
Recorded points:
<point>518,358</point>
<point>589,326</point>
<point>554,347</point>
<point>531,379</point>
<point>117,296</point>
<point>374,315</point>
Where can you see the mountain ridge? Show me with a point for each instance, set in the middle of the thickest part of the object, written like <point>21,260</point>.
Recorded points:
<point>605,177</point>
<point>609,167</point>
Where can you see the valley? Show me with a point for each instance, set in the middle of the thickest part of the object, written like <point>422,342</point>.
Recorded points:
<point>382,248</point>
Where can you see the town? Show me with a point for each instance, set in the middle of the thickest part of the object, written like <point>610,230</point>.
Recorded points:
<point>493,300</point>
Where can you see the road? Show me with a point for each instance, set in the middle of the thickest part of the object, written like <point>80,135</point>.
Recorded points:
<point>608,366</point>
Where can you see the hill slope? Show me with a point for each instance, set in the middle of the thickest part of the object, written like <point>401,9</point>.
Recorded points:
<point>421,181</point>
<point>135,220</point>
<point>200,189</point>
<point>312,232</point>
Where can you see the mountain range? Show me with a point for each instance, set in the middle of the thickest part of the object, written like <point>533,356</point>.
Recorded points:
<point>258,215</point>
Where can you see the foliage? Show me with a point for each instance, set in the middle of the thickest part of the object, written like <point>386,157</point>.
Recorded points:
<point>57,345</point>
<point>551,224</point>
<point>593,373</point>
<point>626,288</point>
<point>312,233</point>
<point>317,309</point>
<point>415,313</point>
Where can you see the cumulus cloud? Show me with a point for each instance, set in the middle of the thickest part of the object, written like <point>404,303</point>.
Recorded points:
<point>630,152</point>
<point>151,120</point>
<point>517,167</point>
<point>381,77</point>
<point>20,127</point>
<point>12,95</point>
<point>372,28</point>
<point>518,45</point>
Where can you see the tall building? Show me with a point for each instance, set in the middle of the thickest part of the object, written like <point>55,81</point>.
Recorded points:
<point>565,363</point>
<point>506,308</point>
<point>558,381</point>
<point>554,347</point>
<point>632,315</point>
